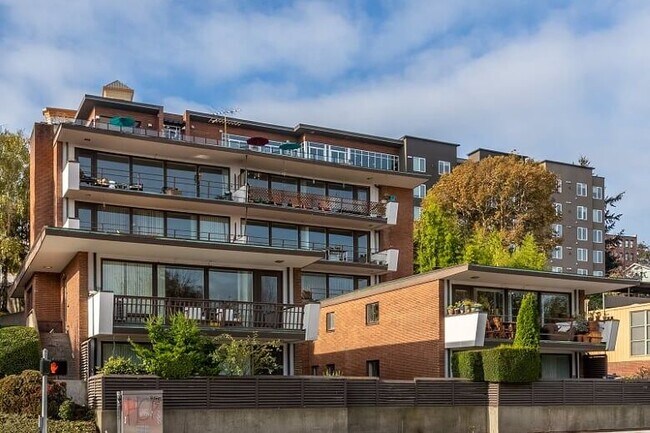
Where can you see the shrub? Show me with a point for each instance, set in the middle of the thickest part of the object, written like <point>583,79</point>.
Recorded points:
<point>509,364</point>
<point>122,365</point>
<point>469,365</point>
<point>19,350</point>
<point>244,357</point>
<point>12,423</point>
<point>527,334</point>
<point>177,351</point>
<point>71,411</point>
<point>22,394</point>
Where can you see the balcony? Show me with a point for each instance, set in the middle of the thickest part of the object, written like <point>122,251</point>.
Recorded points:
<point>476,329</point>
<point>112,314</point>
<point>130,187</point>
<point>331,162</point>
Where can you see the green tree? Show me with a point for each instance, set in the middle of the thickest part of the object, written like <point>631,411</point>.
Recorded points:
<point>611,217</point>
<point>245,357</point>
<point>437,238</point>
<point>528,255</point>
<point>527,334</point>
<point>507,194</point>
<point>486,248</point>
<point>14,206</point>
<point>177,351</point>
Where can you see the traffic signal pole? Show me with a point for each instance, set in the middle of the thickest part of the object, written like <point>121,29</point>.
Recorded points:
<point>43,420</point>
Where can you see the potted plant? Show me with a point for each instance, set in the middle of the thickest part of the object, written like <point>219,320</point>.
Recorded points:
<point>450,310</point>
<point>581,327</point>
<point>466,305</point>
<point>476,307</point>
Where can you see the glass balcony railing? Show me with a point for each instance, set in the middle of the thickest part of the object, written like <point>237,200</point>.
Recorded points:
<point>307,150</point>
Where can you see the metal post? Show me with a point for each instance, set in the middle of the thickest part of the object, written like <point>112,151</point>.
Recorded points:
<point>43,423</point>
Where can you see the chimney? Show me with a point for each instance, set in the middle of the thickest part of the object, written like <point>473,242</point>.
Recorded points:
<point>118,90</point>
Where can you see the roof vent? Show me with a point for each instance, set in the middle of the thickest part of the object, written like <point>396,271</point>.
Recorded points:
<point>118,90</point>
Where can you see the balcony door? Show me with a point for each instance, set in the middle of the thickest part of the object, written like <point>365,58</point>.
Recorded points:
<point>491,299</point>
<point>267,295</point>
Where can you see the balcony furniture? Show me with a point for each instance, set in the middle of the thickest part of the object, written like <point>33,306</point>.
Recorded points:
<point>337,254</point>
<point>136,187</point>
<point>172,191</point>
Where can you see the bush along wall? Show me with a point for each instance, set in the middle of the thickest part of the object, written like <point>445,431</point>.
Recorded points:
<point>509,364</point>
<point>19,350</point>
<point>12,423</point>
<point>468,365</point>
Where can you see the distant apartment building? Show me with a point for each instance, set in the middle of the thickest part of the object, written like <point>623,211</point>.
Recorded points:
<point>626,250</point>
<point>239,225</point>
<point>579,200</point>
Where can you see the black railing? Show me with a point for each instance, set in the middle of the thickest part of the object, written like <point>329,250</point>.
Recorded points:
<point>135,310</point>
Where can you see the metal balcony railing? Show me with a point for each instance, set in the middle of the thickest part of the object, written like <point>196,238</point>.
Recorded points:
<point>136,310</point>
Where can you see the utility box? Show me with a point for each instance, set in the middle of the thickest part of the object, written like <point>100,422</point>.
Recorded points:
<point>140,411</point>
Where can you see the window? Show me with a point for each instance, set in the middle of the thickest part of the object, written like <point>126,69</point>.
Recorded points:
<point>581,189</point>
<point>180,282</point>
<point>417,212</point>
<point>372,368</point>
<point>148,222</point>
<point>320,286</point>
<point>581,213</point>
<point>113,219</point>
<point>583,254</point>
<point>314,370</point>
<point>127,278</point>
<point>372,313</point>
<point>329,321</point>
<point>597,192</point>
<point>230,285</point>
<point>555,306</point>
<point>598,273</point>
<point>181,226</point>
<point>558,187</point>
<point>419,164</point>
<point>557,253</point>
<point>444,167</point>
<point>582,271</point>
<point>420,191</point>
<point>558,208</point>
<point>598,256</point>
<point>557,230</point>
<point>180,179</point>
<point>582,234</point>
<point>557,269</point>
<point>147,175</point>
<point>598,216</point>
<point>640,332</point>
<point>598,236</point>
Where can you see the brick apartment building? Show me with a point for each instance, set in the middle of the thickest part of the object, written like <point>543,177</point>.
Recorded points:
<point>406,328</point>
<point>237,224</point>
<point>627,250</point>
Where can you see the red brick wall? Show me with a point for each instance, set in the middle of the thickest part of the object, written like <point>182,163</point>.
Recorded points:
<point>400,235</point>
<point>47,300</point>
<point>75,288</point>
<point>57,168</point>
<point>41,182</point>
<point>626,368</point>
<point>408,341</point>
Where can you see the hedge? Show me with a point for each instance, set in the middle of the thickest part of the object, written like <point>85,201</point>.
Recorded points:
<point>509,364</point>
<point>468,365</point>
<point>21,394</point>
<point>12,423</point>
<point>19,350</point>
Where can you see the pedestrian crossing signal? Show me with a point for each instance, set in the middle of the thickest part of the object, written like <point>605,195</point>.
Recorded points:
<point>52,367</point>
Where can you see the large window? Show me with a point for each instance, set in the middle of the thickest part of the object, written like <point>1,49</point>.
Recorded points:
<point>113,219</point>
<point>214,228</point>
<point>230,285</point>
<point>181,179</point>
<point>180,282</point>
<point>148,175</point>
<point>640,332</point>
<point>444,167</point>
<point>284,235</point>
<point>419,164</point>
<point>320,286</point>
<point>581,189</point>
<point>583,254</point>
<point>555,306</point>
<point>514,303</point>
<point>181,226</point>
<point>148,222</point>
<point>112,170</point>
<point>582,233</point>
<point>213,182</point>
<point>581,213</point>
<point>127,278</point>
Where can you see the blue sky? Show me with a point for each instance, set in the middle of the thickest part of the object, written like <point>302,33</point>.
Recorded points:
<point>552,79</point>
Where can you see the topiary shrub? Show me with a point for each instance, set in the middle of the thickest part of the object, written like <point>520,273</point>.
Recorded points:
<point>19,350</point>
<point>121,365</point>
<point>71,411</point>
<point>527,334</point>
<point>469,365</point>
<point>508,364</point>
<point>22,394</point>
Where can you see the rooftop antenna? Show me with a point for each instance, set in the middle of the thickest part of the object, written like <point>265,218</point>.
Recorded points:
<point>224,113</point>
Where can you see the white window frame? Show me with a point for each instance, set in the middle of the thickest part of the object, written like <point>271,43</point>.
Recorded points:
<point>645,325</point>
<point>582,254</point>
<point>419,164</point>
<point>420,191</point>
<point>444,167</point>
<point>581,271</point>
<point>597,192</point>
<point>557,230</point>
<point>330,321</point>
<point>581,213</point>
<point>558,208</point>
<point>582,234</point>
<point>556,269</point>
<point>597,236</point>
<point>597,215</point>
<point>558,187</point>
<point>598,274</point>
<point>557,253</point>
<point>581,189</point>
<point>417,213</point>
<point>598,256</point>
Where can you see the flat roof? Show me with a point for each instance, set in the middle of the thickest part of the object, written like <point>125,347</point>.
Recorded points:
<point>491,276</point>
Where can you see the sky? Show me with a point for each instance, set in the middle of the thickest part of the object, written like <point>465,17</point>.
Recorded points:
<point>552,79</point>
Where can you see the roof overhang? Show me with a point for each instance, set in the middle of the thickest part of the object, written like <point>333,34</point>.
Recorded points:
<point>56,247</point>
<point>91,101</point>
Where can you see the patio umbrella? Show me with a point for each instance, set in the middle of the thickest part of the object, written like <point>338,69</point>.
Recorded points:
<point>257,141</point>
<point>289,146</point>
<point>122,121</point>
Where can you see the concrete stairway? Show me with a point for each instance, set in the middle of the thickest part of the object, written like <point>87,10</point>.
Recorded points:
<point>58,346</point>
